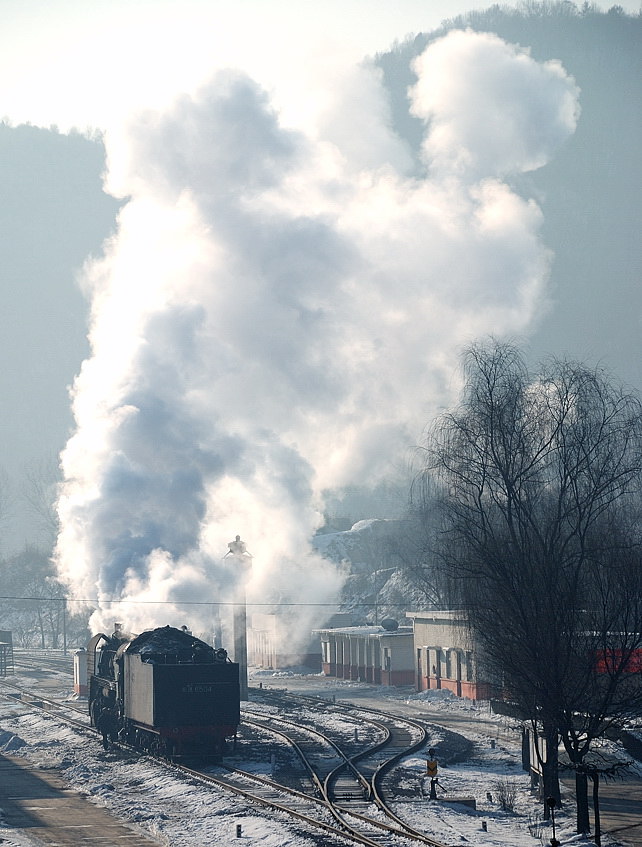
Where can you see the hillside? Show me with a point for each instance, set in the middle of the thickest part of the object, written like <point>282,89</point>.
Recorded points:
<point>385,566</point>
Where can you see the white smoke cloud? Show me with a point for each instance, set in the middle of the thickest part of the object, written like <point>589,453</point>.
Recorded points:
<point>359,122</point>
<point>278,315</point>
<point>492,109</point>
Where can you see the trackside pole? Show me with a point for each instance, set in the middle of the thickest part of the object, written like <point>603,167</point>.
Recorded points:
<point>238,551</point>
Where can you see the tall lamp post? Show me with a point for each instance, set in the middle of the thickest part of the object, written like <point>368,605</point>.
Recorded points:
<point>238,551</point>
<point>64,626</point>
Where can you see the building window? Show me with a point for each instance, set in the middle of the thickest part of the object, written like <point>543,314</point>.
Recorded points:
<point>469,666</point>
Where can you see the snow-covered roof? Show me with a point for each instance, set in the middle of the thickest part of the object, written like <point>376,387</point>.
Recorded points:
<point>441,615</point>
<point>374,631</point>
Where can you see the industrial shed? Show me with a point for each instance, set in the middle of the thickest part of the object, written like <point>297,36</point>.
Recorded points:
<point>446,657</point>
<point>383,656</point>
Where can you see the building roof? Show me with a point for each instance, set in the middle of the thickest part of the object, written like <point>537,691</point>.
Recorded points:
<point>373,631</point>
<point>438,615</point>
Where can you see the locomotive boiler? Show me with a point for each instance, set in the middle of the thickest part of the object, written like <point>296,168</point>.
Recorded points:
<point>163,691</point>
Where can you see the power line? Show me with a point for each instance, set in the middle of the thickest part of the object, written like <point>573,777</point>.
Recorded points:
<point>95,602</point>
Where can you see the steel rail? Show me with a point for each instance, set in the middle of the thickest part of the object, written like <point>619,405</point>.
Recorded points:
<point>370,786</point>
<point>36,701</point>
<point>346,760</point>
<point>342,813</point>
<point>320,805</point>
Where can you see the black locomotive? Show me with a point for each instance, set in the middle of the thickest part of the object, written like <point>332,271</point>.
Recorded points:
<point>163,691</point>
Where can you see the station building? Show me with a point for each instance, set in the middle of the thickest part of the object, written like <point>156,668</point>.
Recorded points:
<point>434,652</point>
<point>377,654</point>
<point>446,657</point>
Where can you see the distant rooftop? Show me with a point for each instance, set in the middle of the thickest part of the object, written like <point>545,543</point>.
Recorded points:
<point>365,630</point>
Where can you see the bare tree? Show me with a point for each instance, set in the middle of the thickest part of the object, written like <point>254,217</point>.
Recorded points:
<point>418,551</point>
<point>32,601</point>
<point>539,481</point>
<point>39,493</point>
<point>7,510</point>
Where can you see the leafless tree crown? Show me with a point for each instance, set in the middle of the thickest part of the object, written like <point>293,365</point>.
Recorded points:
<point>538,478</point>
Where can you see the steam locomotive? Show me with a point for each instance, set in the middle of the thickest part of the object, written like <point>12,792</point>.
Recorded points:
<point>163,691</point>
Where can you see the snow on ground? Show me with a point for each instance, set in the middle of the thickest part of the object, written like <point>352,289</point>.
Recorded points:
<point>188,814</point>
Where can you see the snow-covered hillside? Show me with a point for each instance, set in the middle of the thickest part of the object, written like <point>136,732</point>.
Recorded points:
<point>385,568</point>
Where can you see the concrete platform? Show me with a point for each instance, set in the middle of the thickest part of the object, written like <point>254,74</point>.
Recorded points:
<point>37,803</point>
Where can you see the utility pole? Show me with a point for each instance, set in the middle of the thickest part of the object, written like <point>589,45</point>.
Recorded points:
<point>64,626</point>
<point>243,559</point>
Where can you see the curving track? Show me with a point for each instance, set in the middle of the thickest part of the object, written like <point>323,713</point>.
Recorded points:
<point>352,778</point>
<point>338,786</point>
<point>348,793</point>
<point>319,812</point>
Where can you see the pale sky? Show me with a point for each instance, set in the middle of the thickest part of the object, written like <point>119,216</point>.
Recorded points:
<point>86,63</point>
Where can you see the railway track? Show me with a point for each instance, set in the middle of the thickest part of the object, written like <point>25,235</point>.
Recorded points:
<point>27,697</point>
<point>339,794</point>
<point>325,804</point>
<point>54,665</point>
<point>355,788</point>
<point>48,660</point>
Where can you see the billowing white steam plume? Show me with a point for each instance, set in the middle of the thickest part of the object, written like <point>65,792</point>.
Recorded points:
<point>278,314</point>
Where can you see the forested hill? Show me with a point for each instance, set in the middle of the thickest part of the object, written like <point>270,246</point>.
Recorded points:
<point>591,192</point>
